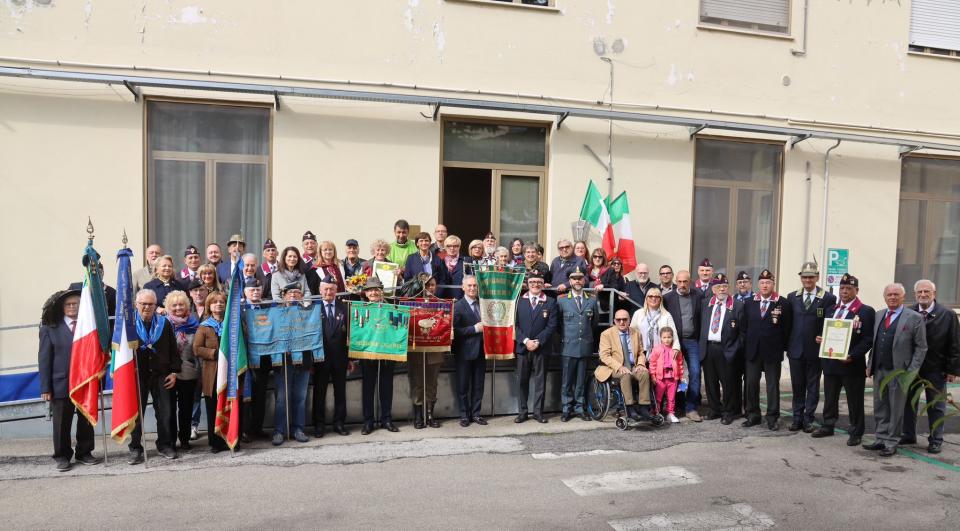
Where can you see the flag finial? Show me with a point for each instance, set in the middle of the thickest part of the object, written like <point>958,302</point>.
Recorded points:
<point>124,238</point>
<point>90,229</point>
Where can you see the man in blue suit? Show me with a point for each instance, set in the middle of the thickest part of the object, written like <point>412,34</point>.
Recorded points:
<point>468,353</point>
<point>809,306</point>
<point>235,248</point>
<point>535,325</point>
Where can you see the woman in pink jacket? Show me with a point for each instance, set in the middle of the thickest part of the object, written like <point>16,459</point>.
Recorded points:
<point>666,369</point>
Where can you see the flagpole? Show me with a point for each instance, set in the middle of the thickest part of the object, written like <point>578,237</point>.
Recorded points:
<point>103,429</point>
<point>376,400</point>
<point>423,406</point>
<point>140,408</point>
<point>286,394</point>
<point>493,390</point>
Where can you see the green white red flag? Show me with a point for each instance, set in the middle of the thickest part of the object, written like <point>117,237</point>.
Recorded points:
<point>123,367</point>
<point>231,364</point>
<point>91,340</point>
<point>620,219</point>
<point>594,211</point>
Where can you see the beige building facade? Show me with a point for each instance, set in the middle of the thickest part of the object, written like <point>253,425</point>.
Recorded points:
<point>168,159</point>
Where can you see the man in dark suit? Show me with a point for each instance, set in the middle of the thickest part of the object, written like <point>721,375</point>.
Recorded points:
<point>637,289</point>
<point>809,306</point>
<point>942,363</point>
<point>685,305</point>
<point>235,248</point>
<point>251,271</point>
<point>468,353</point>
<point>721,333</point>
<point>536,322</point>
<point>769,320</point>
<point>848,373</point>
<point>899,344</point>
<point>334,365</point>
<point>704,277</point>
<point>56,346</point>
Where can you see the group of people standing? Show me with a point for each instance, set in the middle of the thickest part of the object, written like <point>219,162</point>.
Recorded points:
<point>670,339</point>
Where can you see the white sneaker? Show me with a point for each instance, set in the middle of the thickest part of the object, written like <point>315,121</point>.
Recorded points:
<point>672,418</point>
<point>194,435</point>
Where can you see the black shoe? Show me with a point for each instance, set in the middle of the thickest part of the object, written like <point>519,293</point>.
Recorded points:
<point>808,428</point>
<point>713,416</point>
<point>932,448</point>
<point>522,417</point>
<point>480,420</point>
<point>539,418</point>
<point>88,460</point>
<point>64,464</point>
<point>565,416</point>
<point>136,457</point>
<point>586,418</point>
<point>632,413</point>
<point>796,426</point>
<point>340,429</point>
<point>726,421</point>
<point>300,437</point>
<point>277,439</point>
<point>464,422</point>
<point>367,428</point>
<point>319,432</point>
<point>388,425</point>
<point>418,422</point>
<point>244,438</point>
<point>432,421</point>
<point>888,451</point>
<point>822,432</point>
<point>217,449</point>
<point>853,441</point>
<point>878,445</point>
<point>907,440</point>
<point>185,446</point>
<point>773,424</point>
<point>643,411</point>
<point>168,453</point>
<point>749,423</point>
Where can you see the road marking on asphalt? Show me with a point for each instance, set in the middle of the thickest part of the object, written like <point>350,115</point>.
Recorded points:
<point>563,455</point>
<point>739,516</point>
<point>631,480</point>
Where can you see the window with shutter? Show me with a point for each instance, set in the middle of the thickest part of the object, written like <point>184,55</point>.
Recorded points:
<point>771,16</point>
<point>935,27</point>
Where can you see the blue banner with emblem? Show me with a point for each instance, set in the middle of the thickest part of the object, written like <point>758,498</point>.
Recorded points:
<point>278,329</point>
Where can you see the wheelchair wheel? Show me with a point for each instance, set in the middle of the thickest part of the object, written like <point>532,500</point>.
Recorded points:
<point>621,423</point>
<point>599,396</point>
<point>657,420</point>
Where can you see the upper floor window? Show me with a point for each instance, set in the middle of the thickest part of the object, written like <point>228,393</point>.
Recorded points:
<point>771,16</point>
<point>935,27</point>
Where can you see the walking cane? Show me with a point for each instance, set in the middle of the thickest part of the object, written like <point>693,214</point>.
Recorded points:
<point>286,394</point>
<point>103,429</point>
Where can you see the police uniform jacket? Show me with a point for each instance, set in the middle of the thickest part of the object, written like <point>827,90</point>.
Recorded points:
<point>808,323</point>
<point>863,318</point>
<point>731,327</point>
<point>536,322</point>
<point>577,324</point>
<point>767,336</point>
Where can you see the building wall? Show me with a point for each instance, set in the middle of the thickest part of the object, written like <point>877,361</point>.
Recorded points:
<point>349,169</point>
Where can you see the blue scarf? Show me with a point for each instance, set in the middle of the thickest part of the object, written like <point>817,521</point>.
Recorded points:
<point>149,339</point>
<point>188,327</point>
<point>213,323</point>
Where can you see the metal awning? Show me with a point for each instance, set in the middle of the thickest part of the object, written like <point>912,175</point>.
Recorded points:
<point>135,83</point>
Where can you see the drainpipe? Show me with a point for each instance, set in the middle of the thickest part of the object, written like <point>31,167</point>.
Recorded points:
<point>803,48</point>
<point>806,224</point>
<point>610,135</point>
<point>826,197</point>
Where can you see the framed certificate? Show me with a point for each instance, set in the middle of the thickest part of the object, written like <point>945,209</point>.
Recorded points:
<point>836,338</point>
<point>387,273</point>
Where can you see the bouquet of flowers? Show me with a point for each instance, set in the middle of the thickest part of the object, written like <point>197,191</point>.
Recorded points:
<point>356,282</point>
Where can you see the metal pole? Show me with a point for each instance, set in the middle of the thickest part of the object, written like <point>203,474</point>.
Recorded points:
<point>826,197</point>
<point>376,397</point>
<point>140,408</point>
<point>286,394</point>
<point>610,133</point>
<point>493,390</point>
<point>423,406</point>
<point>103,428</point>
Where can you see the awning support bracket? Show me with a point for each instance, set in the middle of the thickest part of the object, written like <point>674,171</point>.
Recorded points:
<point>794,140</point>
<point>133,90</point>
<point>696,129</point>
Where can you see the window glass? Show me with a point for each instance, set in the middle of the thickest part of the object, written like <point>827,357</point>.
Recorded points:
<point>494,143</point>
<point>519,208</point>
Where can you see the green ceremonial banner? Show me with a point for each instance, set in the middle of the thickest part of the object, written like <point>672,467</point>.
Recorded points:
<point>378,331</point>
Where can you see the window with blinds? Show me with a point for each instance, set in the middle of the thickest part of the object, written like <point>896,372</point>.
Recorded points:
<point>772,16</point>
<point>935,27</point>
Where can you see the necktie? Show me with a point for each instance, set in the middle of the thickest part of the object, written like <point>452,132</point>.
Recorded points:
<point>807,301</point>
<point>763,308</point>
<point>840,311</point>
<point>924,314</point>
<point>626,348</point>
<point>330,311</point>
<point>579,303</point>
<point>533,303</point>
<point>715,320</point>
<point>886,323</point>
<point>73,327</point>
<point>476,309</point>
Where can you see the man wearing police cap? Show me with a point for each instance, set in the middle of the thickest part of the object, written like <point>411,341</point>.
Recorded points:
<point>810,306</point>
<point>578,318</point>
<point>536,322</point>
<point>721,333</point>
<point>769,319</point>
<point>191,262</point>
<point>848,373</point>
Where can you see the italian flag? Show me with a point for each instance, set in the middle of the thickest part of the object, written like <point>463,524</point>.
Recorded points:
<point>126,397</point>
<point>231,364</point>
<point>88,358</point>
<point>620,219</point>
<point>594,211</point>
<point>498,292</point>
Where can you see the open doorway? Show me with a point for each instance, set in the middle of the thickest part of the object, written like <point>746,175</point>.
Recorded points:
<point>466,202</point>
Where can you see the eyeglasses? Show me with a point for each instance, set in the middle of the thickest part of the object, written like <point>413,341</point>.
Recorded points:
<point>598,258</point>
<point>562,247</point>
<point>665,273</point>
<point>621,320</point>
<point>146,304</point>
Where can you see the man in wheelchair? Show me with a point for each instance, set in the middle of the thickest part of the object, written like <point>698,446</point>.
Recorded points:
<point>622,358</point>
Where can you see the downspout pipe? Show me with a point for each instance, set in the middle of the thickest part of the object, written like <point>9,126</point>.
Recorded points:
<point>808,184</point>
<point>826,199</point>
<point>802,51</point>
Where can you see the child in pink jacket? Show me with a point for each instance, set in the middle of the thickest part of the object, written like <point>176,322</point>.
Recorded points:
<point>666,370</point>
